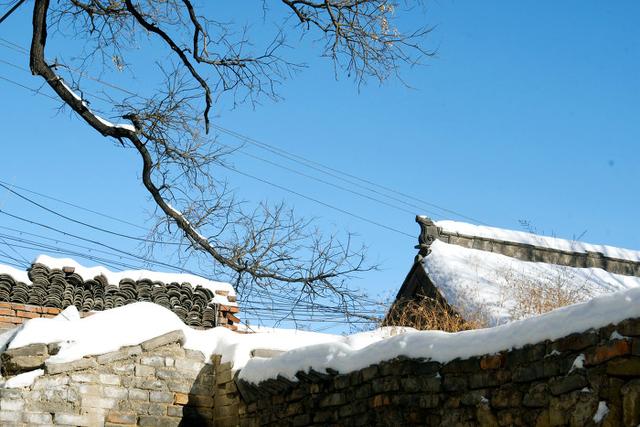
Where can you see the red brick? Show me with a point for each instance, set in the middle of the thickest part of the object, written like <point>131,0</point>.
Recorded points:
<point>181,399</point>
<point>32,308</point>
<point>229,308</point>
<point>7,312</point>
<point>380,400</point>
<point>231,317</point>
<point>11,319</point>
<point>51,310</point>
<point>6,304</point>
<point>495,361</point>
<point>4,325</point>
<point>27,314</point>
<point>606,352</point>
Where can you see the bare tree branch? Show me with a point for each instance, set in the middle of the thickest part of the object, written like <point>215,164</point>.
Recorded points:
<point>266,248</point>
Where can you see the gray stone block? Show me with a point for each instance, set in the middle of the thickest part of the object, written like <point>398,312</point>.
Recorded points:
<point>189,364</point>
<point>138,394</point>
<point>11,404</point>
<point>144,371</point>
<point>161,396</point>
<point>98,402</point>
<point>11,416</point>
<point>121,354</point>
<point>158,421</point>
<point>155,361</point>
<point>168,338</point>
<point>115,392</point>
<point>40,418</point>
<point>76,365</point>
<point>109,379</point>
<point>72,419</point>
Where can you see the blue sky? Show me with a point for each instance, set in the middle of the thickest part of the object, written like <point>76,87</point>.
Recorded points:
<point>529,111</point>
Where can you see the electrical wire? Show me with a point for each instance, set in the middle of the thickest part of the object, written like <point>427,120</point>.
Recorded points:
<point>319,167</point>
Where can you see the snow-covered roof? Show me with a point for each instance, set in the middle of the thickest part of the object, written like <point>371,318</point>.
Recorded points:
<point>114,277</point>
<point>477,281</point>
<point>58,283</point>
<point>466,229</point>
<point>489,272</point>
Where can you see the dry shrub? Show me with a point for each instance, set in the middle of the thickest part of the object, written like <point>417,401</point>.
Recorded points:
<point>531,297</point>
<point>424,313</point>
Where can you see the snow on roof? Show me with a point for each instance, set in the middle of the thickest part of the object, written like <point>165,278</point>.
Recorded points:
<point>18,275</point>
<point>536,240</point>
<point>115,277</point>
<point>473,280</point>
<point>109,330</point>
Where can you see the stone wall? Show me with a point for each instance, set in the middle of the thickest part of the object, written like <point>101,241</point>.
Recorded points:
<point>552,383</point>
<point>156,383</point>
<point>526,252</point>
<point>159,383</point>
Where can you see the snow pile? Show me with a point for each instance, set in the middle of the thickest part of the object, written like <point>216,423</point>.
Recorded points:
<point>115,277</point>
<point>18,275</point>
<point>25,379</point>
<point>134,323</point>
<point>476,280</point>
<point>109,330</point>
<point>536,240</point>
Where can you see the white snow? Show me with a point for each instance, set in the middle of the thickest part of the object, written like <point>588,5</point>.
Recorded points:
<point>134,323</point>
<point>115,277</point>
<point>601,412</point>
<point>443,347</point>
<point>131,324</point>
<point>18,275</point>
<point>615,335</point>
<point>100,119</point>
<point>25,379</point>
<point>537,240</point>
<point>476,280</point>
<point>578,363</point>
<point>119,125</point>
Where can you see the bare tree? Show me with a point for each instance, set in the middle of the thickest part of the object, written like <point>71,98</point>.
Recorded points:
<point>265,248</point>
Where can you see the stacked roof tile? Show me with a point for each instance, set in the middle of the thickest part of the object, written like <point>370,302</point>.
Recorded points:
<point>196,306</point>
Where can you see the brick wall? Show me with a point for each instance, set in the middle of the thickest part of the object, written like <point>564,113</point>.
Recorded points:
<point>12,314</point>
<point>553,383</point>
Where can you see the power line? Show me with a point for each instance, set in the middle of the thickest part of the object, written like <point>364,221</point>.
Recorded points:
<point>284,306</point>
<point>328,170</point>
<point>2,211</point>
<point>140,239</point>
<point>73,205</point>
<point>315,200</point>
<point>344,211</point>
<point>17,48</point>
<point>10,11</point>
<point>322,168</point>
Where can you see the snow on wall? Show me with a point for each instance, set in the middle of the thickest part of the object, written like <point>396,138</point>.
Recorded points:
<point>479,280</point>
<point>109,330</point>
<point>536,240</point>
<point>443,347</point>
